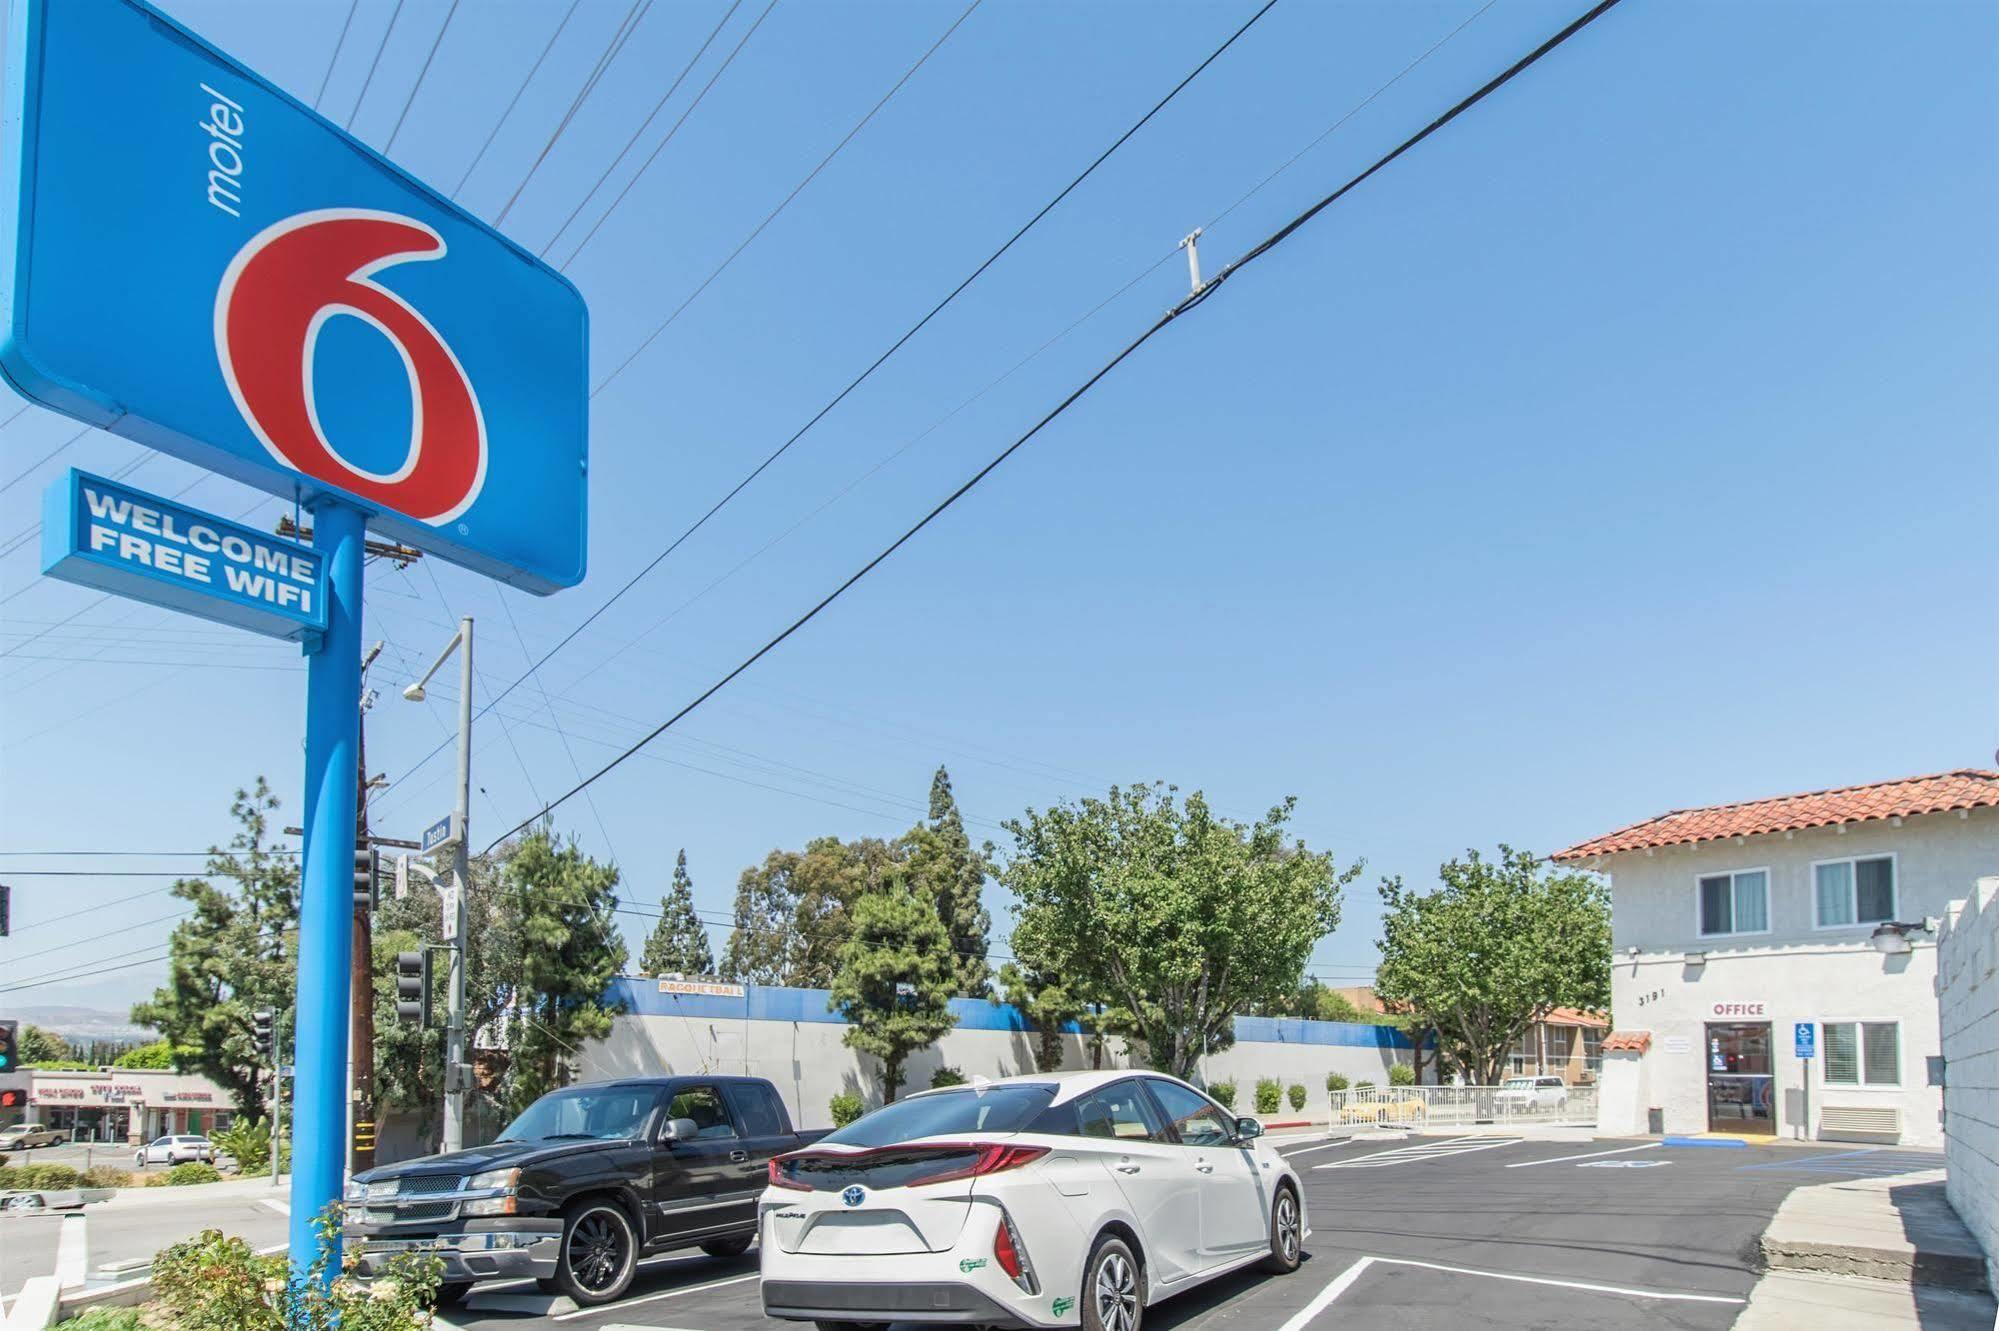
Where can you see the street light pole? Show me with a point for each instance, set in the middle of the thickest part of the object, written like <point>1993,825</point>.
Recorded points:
<point>456,1068</point>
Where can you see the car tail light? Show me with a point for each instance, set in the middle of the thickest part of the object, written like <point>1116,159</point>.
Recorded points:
<point>780,1179</point>
<point>899,1166</point>
<point>1011,1254</point>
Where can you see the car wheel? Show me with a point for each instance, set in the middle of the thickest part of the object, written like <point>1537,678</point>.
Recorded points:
<point>25,1201</point>
<point>1287,1234</point>
<point>726,1247</point>
<point>599,1253</point>
<point>1112,1299</point>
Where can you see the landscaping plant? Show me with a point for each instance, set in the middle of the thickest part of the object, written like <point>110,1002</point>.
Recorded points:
<point>1224,1093</point>
<point>1401,1075</point>
<point>1269,1095</point>
<point>1335,1081</point>
<point>1296,1095</point>
<point>946,1077</point>
<point>845,1108</point>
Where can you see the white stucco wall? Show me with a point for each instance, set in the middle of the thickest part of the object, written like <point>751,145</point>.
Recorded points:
<point>1796,972</point>
<point>809,1065</point>
<point>1968,1002</point>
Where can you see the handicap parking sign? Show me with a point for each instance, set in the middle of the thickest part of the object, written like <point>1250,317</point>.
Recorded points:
<point>1805,1039</point>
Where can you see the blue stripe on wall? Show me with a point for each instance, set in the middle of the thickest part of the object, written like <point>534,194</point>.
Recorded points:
<point>771,1003</point>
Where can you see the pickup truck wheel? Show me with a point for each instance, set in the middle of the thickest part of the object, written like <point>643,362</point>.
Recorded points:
<point>599,1253</point>
<point>726,1247</point>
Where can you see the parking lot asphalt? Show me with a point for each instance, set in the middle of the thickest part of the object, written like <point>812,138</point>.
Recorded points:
<point>1483,1231</point>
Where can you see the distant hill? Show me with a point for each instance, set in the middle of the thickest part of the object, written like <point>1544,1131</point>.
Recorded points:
<point>84,1023</point>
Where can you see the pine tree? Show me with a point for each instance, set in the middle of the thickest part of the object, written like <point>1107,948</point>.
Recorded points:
<point>895,978</point>
<point>946,869</point>
<point>764,938</point>
<point>679,943</point>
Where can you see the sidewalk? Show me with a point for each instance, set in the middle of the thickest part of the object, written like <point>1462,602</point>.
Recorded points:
<point>1864,1253</point>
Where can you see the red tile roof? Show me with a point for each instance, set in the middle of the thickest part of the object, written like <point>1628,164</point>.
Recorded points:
<point>1636,1041</point>
<point>1969,788</point>
<point>1575,1016</point>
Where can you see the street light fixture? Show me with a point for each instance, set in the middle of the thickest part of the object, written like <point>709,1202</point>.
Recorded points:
<point>1891,937</point>
<point>461,883</point>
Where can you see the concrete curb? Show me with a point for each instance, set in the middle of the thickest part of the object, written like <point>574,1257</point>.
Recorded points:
<point>1898,1229</point>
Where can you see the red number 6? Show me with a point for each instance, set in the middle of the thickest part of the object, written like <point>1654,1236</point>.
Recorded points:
<point>275,296</point>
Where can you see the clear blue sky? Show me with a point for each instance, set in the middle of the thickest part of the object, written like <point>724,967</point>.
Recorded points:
<point>1628,446</point>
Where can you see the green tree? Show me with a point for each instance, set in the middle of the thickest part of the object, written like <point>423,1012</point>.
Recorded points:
<point>763,940</point>
<point>1182,919</point>
<point>560,903</point>
<point>792,911</point>
<point>1491,951</point>
<point>40,1046</point>
<point>679,943</point>
<point>158,1054</point>
<point>944,866</point>
<point>895,978</point>
<point>238,953</point>
<point>1048,1003</point>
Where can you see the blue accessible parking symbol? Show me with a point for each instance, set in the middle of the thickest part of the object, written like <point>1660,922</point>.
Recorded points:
<point>1805,1039</point>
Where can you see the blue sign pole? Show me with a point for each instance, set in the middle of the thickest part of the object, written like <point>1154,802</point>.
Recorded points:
<point>326,908</point>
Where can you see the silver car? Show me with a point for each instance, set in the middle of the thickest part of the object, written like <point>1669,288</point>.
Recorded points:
<point>175,1151</point>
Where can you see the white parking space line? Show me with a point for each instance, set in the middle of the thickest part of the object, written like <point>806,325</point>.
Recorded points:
<point>1344,1281</point>
<point>73,1253</point>
<point>1591,1155</point>
<point>663,1294</point>
<point>1322,1146</point>
<point>276,1204</point>
<point>1406,1155</point>
<point>1564,1284</point>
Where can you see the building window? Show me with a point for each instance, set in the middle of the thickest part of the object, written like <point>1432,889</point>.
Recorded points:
<point>1863,1053</point>
<point>1846,892</point>
<point>1735,903</point>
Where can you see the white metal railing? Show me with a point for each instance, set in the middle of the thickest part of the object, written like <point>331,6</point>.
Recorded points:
<point>1460,1106</point>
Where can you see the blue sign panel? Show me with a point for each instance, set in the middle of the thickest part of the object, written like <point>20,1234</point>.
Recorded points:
<point>1805,1039</point>
<point>193,259</point>
<point>442,834</point>
<point>101,534</point>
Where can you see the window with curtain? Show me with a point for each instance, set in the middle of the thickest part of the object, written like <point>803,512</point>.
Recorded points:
<point>1735,903</point>
<point>1857,891</point>
<point>1862,1053</point>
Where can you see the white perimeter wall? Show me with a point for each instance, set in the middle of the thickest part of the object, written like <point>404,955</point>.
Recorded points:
<point>1968,1006</point>
<point>809,1065</point>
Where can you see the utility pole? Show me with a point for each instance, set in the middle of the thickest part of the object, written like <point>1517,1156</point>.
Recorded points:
<point>361,970</point>
<point>457,1068</point>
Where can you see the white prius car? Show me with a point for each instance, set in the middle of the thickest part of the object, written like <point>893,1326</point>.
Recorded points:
<point>1060,1200</point>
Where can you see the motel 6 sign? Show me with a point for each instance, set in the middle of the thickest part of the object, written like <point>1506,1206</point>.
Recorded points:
<point>193,259</point>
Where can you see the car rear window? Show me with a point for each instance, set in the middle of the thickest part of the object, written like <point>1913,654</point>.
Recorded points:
<point>941,1113</point>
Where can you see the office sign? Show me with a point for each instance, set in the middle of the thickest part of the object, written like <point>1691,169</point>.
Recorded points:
<point>193,259</point>
<point>1805,1039</point>
<point>98,533</point>
<point>1738,1009</point>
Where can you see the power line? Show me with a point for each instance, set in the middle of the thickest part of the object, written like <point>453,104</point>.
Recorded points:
<point>671,88</point>
<point>797,189</point>
<point>516,99</point>
<point>863,376</point>
<point>1189,303</point>
<point>421,75</point>
<point>109,933</point>
<point>331,64</point>
<point>49,457</point>
<point>374,65</point>
<point>628,25</point>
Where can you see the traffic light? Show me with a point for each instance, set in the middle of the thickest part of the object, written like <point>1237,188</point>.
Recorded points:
<point>367,877</point>
<point>10,1051</point>
<point>12,1099</point>
<point>413,987</point>
<point>264,1032</point>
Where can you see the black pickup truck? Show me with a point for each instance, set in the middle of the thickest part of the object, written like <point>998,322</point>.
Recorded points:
<point>584,1183</point>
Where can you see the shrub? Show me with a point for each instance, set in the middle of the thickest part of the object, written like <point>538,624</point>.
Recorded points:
<point>213,1282</point>
<point>158,1054</point>
<point>192,1172</point>
<point>1336,1081</point>
<point>946,1077</point>
<point>1401,1075</point>
<point>104,1176</point>
<point>1296,1095</point>
<point>845,1108</point>
<point>247,1141</point>
<point>1363,1085</point>
<point>1224,1093</point>
<point>1269,1095</point>
<point>106,1319</point>
<point>50,1178</point>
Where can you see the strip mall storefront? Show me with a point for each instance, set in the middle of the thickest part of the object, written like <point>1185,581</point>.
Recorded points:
<point>125,1105</point>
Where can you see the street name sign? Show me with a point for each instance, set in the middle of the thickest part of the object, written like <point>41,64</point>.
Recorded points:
<point>98,533</point>
<point>193,259</point>
<point>1805,1039</point>
<point>441,835</point>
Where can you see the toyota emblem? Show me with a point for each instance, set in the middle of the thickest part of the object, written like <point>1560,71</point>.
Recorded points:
<point>855,1195</point>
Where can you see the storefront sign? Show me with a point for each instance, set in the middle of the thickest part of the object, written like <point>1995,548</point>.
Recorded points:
<point>707,987</point>
<point>1738,1010</point>
<point>188,1097</point>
